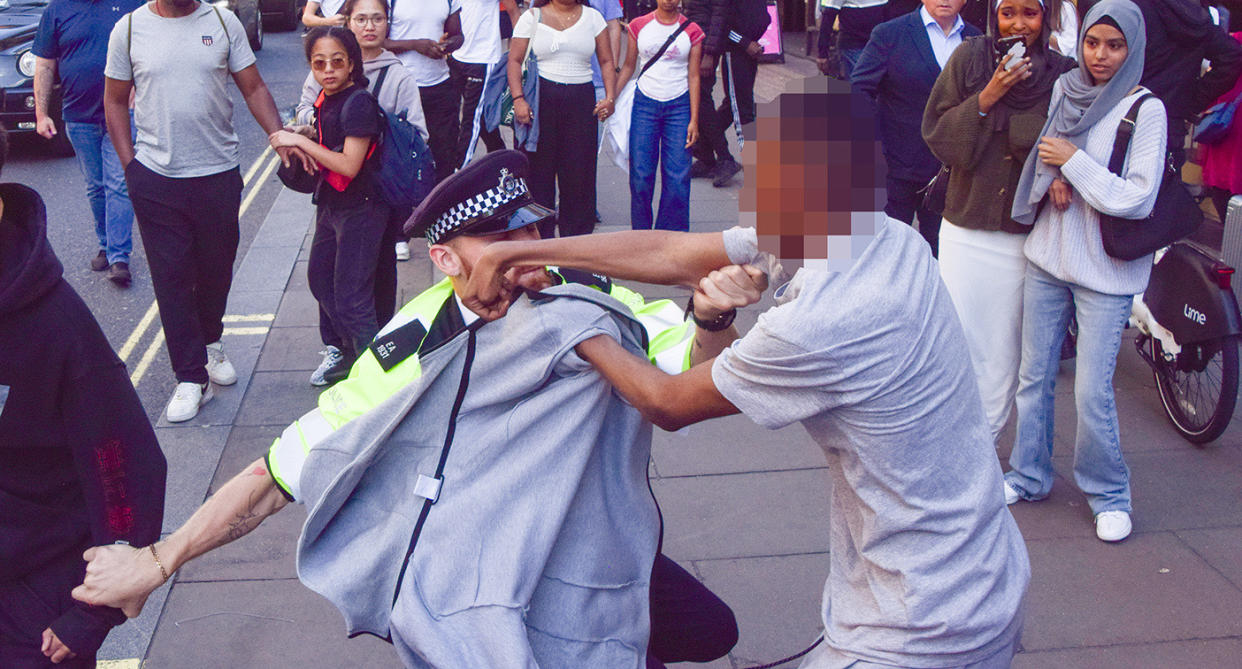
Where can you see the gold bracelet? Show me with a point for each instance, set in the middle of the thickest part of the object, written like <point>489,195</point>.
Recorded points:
<point>155,556</point>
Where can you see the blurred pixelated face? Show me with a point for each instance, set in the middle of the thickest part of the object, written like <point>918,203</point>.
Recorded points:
<point>669,5</point>
<point>815,176</point>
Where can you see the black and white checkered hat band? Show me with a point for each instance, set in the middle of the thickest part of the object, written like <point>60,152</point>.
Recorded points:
<point>479,206</point>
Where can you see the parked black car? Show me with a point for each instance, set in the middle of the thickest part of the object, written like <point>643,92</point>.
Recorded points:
<point>282,14</point>
<point>251,18</point>
<point>18,21</point>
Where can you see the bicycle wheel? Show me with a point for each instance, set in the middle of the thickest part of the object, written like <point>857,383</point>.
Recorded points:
<point>1199,387</point>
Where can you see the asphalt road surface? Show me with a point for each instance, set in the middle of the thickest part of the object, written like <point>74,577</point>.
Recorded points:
<point>128,316</point>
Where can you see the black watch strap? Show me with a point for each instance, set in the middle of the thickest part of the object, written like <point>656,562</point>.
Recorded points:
<point>717,324</point>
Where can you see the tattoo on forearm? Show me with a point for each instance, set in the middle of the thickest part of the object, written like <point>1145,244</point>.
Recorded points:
<point>243,522</point>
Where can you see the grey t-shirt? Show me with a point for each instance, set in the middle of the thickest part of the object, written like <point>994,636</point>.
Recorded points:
<point>927,567</point>
<point>180,68</point>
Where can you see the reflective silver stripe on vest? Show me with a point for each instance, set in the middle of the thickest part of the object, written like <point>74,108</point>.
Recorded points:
<point>288,455</point>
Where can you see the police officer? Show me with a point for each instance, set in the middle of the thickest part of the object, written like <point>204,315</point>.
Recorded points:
<point>484,203</point>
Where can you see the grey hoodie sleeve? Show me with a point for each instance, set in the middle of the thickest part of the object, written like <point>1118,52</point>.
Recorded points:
<point>305,114</point>
<point>411,101</point>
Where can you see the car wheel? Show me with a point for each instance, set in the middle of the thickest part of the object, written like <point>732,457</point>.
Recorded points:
<point>59,145</point>
<point>256,42</point>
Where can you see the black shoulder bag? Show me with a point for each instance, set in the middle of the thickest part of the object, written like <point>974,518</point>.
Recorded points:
<point>664,47</point>
<point>1175,214</point>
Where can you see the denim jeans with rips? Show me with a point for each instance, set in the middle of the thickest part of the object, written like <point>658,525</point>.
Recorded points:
<point>1099,468</point>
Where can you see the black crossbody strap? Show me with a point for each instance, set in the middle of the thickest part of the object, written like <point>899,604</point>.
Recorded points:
<point>667,43</point>
<point>379,82</point>
<point>1125,131</point>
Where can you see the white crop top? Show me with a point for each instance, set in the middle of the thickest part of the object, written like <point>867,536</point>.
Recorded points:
<point>564,55</point>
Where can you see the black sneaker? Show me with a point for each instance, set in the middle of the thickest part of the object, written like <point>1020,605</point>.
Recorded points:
<point>701,170</point>
<point>725,172</point>
<point>100,262</point>
<point>119,274</point>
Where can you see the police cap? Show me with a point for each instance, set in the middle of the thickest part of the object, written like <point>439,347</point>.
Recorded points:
<point>483,198</point>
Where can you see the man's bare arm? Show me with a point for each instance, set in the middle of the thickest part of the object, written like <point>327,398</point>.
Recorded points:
<point>44,77</point>
<point>116,116</point>
<point>671,402</point>
<point>652,256</point>
<point>124,576</point>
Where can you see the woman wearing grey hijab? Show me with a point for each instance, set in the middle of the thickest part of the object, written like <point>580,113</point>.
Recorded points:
<point>1064,187</point>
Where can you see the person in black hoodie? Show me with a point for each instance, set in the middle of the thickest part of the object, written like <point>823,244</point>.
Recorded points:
<point>79,462</point>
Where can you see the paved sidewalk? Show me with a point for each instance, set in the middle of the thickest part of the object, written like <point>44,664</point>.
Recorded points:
<point>745,508</point>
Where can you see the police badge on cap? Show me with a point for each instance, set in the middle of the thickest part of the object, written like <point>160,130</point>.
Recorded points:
<point>486,197</point>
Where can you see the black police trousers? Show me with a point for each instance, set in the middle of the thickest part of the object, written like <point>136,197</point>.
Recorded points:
<point>689,623</point>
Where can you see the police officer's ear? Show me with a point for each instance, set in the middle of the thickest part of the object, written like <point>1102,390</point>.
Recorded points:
<point>446,259</point>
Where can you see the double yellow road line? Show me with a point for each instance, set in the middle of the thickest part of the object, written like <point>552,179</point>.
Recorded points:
<point>263,166</point>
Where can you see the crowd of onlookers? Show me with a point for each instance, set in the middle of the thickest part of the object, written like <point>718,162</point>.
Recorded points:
<point>998,138</point>
<point>997,120</point>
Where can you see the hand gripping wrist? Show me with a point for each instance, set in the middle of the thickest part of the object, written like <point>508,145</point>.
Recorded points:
<point>720,322</point>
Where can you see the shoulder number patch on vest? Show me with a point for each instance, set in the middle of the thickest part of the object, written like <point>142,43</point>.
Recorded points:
<point>392,348</point>
<point>597,281</point>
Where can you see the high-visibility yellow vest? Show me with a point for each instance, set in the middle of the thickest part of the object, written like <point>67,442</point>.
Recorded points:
<point>670,337</point>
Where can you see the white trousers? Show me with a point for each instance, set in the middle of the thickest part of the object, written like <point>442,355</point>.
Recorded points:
<point>983,271</point>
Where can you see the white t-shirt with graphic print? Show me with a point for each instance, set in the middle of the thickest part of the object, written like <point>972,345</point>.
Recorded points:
<point>667,79</point>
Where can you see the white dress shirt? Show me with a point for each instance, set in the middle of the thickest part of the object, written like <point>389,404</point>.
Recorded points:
<point>941,44</point>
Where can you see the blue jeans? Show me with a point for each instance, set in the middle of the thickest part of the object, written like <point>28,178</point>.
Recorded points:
<point>658,135</point>
<point>105,188</point>
<point>1099,469</point>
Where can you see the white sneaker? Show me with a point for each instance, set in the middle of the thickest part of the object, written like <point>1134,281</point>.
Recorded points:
<point>403,250</point>
<point>331,358</point>
<point>219,369</point>
<point>1012,496</point>
<point>1112,525</point>
<point>186,400</point>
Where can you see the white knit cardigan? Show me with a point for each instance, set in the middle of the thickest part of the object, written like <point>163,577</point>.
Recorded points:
<point>1067,244</point>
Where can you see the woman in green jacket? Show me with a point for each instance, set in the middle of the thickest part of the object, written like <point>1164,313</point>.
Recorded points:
<point>984,115</point>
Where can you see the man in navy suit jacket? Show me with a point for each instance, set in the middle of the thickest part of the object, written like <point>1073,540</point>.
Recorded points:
<point>896,71</point>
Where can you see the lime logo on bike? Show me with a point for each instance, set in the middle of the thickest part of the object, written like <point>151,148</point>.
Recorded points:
<point>1194,314</point>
